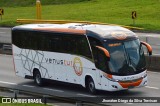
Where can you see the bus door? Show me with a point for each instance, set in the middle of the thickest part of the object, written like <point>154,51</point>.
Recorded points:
<point>102,59</point>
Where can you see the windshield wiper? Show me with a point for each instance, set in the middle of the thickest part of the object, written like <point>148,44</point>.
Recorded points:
<point>129,60</point>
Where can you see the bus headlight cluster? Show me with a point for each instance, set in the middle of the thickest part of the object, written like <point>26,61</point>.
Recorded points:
<point>114,80</point>
<point>114,86</point>
<point>145,75</point>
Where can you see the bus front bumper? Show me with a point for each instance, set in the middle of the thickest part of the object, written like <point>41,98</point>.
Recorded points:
<point>124,85</point>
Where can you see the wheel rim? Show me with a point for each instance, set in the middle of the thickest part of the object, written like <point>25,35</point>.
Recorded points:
<point>91,86</point>
<point>38,79</point>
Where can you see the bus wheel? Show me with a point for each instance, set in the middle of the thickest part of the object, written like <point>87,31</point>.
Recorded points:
<point>91,86</point>
<point>37,78</point>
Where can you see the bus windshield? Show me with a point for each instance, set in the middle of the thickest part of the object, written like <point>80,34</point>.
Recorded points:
<point>126,58</point>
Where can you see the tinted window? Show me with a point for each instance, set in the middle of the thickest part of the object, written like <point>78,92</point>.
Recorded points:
<point>76,44</point>
<point>54,42</point>
<point>102,62</point>
<point>94,42</point>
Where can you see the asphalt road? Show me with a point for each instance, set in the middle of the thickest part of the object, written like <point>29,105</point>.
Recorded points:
<point>8,79</point>
<point>152,38</point>
<point>5,35</point>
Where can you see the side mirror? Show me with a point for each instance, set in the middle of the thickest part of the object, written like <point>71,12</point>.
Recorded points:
<point>105,51</point>
<point>149,48</point>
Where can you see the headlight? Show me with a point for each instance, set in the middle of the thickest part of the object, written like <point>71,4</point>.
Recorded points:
<point>145,75</point>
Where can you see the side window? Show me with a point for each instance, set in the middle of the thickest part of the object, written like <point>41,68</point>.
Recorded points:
<point>68,44</point>
<point>42,41</point>
<point>94,42</point>
<point>22,39</point>
<point>15,38</point>
<point>54,43</point>
<point>31,41</point>
<point>83,47</point>
<point>75,44</point>
<point>102,62</point>
<point>99,56</point>
<point>47,41</point>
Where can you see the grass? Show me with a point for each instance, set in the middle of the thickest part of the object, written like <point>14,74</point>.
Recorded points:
<point>107,11</point>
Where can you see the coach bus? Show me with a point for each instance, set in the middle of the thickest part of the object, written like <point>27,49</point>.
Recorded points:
<point>98,57</point>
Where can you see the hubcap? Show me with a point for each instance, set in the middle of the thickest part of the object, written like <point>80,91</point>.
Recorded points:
<point>38,78</point>
<point>91,86</point>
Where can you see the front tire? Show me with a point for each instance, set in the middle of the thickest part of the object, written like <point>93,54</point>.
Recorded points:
<point>37,78</point>
<point>91,86</point>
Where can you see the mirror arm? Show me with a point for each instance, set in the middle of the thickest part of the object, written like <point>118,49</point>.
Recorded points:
<point>148,47</point>
<point>104,50</point>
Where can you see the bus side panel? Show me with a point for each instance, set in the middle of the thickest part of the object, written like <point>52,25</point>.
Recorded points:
<point>60,73</point>
<point>71,75</point>
<point>104,81</point>
<point>93,74</point>
<point>52,65</point>
<point>19,62</point>
<point>19,70</point>
<point>47,71</point>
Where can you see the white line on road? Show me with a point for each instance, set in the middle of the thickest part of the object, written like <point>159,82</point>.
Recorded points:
<point>53,90</point>
<point>10,83</point>
<point>151,87</point>
<point>85,95</point>
<point>28,86</point>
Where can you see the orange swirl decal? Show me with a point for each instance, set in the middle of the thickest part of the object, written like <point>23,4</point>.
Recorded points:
<point>119,35</point>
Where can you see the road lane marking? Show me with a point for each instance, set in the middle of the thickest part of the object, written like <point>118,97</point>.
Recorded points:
<point>10,83</point>
<point>53,90</point>
<point>151,87</point>
<point>28,86</point>
<point>86,95</point>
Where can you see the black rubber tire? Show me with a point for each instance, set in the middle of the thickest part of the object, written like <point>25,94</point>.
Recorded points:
<point>37,78</point>
<point>91,86</point>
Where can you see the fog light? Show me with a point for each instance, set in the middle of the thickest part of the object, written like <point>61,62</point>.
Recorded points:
<point>145,83</point>
<point>114,86</point>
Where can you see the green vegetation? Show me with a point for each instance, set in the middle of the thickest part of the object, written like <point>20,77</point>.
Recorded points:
<point>107,11</point>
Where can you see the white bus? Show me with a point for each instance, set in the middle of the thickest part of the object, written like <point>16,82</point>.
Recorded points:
<point>98,57</point>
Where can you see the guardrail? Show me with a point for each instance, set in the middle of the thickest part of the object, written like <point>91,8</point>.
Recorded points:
<point>5,48</point>
<point>47,97</point>
<point>153,63</point>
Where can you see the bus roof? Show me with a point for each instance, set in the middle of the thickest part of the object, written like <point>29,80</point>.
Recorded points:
<point>95,30</point>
